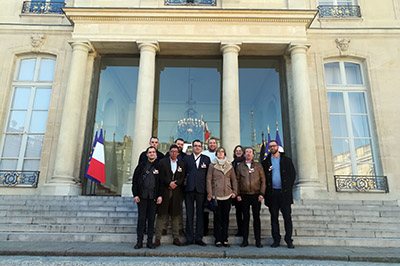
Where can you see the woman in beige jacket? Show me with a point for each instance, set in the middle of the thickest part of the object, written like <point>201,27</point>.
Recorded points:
<point>222,186</point>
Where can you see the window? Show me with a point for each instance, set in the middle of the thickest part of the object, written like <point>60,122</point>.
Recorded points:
<point>352,141</point>
<point>337,2</point>
<point>339,8</point>
<point>191,2</point>
<point>26,123</point>
<point>43,6</point>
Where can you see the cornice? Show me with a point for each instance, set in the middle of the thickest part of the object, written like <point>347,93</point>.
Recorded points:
<point>79,15</point>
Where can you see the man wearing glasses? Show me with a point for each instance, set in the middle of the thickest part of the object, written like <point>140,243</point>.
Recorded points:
<point>280,174</point>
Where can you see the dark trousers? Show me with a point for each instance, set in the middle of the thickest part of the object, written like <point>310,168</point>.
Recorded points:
<point>206,221</point>
<point>146,212</point>
<point>194,201</point>
<point>278,203</point>
<point>221,220</point>
<point>247,201</point>
<point>239,215</point>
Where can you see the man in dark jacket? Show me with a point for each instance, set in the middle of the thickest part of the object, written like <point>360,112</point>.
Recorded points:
<point>195,192</point>
<point>172,173</point>
<point>146,192</point>
<point>153,143</point>
<point>280,174</point>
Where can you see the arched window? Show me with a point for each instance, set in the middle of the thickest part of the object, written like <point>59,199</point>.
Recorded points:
<point>349,115</point>
<point>26,121</point>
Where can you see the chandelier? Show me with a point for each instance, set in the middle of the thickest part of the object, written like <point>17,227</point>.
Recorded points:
<point>190,127</point>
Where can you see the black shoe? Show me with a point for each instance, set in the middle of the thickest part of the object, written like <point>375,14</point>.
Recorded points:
<point>138,245</point>
<point>218,244</point>
<point>150,245</point>
<point>259,245</point>
<point>290,245</point>
<point>200,243</point>
<point>275,244</point>
<point>226,244</point>
<point>187,243</point>
<point>244,244</point>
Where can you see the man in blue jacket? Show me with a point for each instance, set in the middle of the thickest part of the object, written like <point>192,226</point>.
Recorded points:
<point>196,166</point>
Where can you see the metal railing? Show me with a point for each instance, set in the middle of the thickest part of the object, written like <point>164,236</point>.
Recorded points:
<point>190,2</point>
<point>41,7</point>
<point>19,178</point>
<point>361,183</point>
<point>330,11</point>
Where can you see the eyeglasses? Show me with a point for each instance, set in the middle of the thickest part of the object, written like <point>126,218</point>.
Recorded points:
<point>174,151</point>
<point>271,146</point>
<point>196,145</point>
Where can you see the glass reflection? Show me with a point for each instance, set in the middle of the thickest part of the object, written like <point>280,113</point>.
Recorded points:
<point>31,165</point>
<point>341,150</point>
<point>21,98</point>
<point>260,101</point>
<point>189,93</point>
<point>353,73</point>
<point>332,73</point>
<point>363,150</point>
<point>365,169</point>
<point>360,125</point>
<point>336,103</point>
<point>34,146</point>
<point>38,122</point>
<point>343,169</point>
<point>357,103</point>
<point>116,105</point>
<point>12,145</point>
<point>8,164</point>
<point>27,69</point>
<point>17,121</point>
<point>42,98</point>
<point>338,125</point>
<point>46,70</point>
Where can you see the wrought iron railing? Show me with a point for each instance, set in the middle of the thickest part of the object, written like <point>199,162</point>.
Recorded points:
<point>19,178</point>
<point>361,183</point>
<point>41,7</point>
<point>331,11</point>
<point>190,2</point>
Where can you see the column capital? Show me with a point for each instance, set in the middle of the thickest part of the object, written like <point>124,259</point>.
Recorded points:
<point>233,47</point>
<point>85,46</point>
<point>151,46</point>
<point>298,48</point>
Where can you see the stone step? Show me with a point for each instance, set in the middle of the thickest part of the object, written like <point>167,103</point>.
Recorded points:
<point>131,238</point>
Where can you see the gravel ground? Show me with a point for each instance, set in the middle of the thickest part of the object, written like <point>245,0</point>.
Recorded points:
<point>175,261</point>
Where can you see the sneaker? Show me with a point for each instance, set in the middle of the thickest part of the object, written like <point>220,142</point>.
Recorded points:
<point>218,244</point>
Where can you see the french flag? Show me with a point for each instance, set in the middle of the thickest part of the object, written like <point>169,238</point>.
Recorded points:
<point>96,170</point>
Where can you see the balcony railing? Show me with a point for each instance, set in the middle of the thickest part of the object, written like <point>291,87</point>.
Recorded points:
<point>19,178</point>
<point>41,7</point>
<point>330,11</point>
<point>361,183</point>
<point>190,2</point>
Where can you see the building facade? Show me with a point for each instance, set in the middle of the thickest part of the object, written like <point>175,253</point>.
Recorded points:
<point>322,74</point>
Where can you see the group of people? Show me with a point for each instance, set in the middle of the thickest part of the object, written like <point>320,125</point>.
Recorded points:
<point>207,181</point>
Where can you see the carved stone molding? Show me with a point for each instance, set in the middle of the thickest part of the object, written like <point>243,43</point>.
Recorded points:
<point>37,41</point>
<point>343,46</point>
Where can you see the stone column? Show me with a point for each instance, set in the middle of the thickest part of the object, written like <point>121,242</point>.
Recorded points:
<point>144,106</point>
<point>307,172</point>
<point>230,97</point>
<point>65,180</point>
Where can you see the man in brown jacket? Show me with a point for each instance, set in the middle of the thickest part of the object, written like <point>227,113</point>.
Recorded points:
<point>252,184</point>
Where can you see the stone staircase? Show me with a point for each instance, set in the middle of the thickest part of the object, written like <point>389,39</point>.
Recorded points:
<point>113,219</point>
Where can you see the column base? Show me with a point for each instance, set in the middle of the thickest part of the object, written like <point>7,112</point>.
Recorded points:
<point>310,191</point>
<point>62,189</point>
<point>126,190</point>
